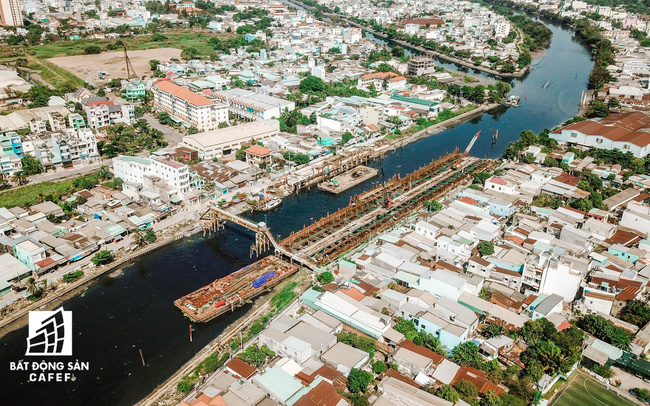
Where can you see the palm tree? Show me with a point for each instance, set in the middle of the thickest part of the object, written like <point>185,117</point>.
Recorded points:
<point>139,238</point>
<point>34,289</point>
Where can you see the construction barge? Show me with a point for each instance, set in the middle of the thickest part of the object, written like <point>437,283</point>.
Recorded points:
<point>348,179</point>
<point>230,292</point>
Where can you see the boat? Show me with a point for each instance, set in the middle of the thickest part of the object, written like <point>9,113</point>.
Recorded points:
<point>271,204</point>
<point>235,290</point>
<point>512,101</point>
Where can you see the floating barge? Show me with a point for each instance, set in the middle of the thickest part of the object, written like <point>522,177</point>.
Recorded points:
<point>230,292</point>
<point>348,179</point>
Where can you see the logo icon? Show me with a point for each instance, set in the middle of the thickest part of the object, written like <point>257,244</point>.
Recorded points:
<point>50,333</point>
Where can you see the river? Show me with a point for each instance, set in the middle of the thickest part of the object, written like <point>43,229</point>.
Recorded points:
<point>133,309</point>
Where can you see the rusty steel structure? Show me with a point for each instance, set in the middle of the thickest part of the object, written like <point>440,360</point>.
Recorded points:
<point>380,208</point>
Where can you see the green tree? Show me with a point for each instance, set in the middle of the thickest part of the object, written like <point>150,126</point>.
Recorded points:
<point>347,136</point>
<point>92,49</point>
<point>466,390</point>
<point>325,278</point>
<point>397,51</point>
<point>31,165</point>
<point>481,177</point>
<point>467,354</point>
<point>447,392</point>
<point>433,206</point>
<point>153,64</point>
<point>551,162</point>
<point>485,248</point>
<point>150,235</point>
<point>358,380</point>
<point>636,312</point>
<point>102,257</point>
<point>602,329</point>
<point>256,356</point>
<point>378,367</point>
<point>490,330</point>
<point>189,53</point>
<point>312,84</point>
<point>35,289</point>
<point>240,154</point>
<point>599,109</point>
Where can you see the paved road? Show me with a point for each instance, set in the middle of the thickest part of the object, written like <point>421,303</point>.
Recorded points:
<point>172,135</point>
<point>628,381</point>
<point>61,173</point>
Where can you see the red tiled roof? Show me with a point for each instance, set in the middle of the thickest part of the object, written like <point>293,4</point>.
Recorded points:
<point>170,87</point>
<point>171,163</point>
<point>353,293</point>
<point>258,150</point>
<point>424,21</point>
<point>44,262</point>
<point>497,180</point>
<point>514,239</point>
<point>323,394</point>
<point>628,293</point>
<point>564,325</point>
<point>618,127</point>
<point>468,200</point>
<point>391,373</point>
<point>425,352</point>
<point>478,378</point>
<point>241,368</point>
<point>205,400</point>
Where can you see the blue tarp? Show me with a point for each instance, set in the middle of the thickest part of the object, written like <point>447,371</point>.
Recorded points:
<point>262,279</point>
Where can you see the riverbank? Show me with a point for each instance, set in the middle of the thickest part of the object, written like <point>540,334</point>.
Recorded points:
<point>59,290</point>
<point>471,65</point>
<point>468,64</point>
<point>166,392</point>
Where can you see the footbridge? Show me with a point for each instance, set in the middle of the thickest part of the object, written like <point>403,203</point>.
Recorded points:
<point>264,240</point>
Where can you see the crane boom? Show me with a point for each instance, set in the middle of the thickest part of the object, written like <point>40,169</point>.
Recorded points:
<point>471,143</point>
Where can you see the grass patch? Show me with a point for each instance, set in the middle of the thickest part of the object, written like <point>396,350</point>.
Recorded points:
<point>179,40</point>
<point>58,77</point>
<point>30,194</point>
<point>586,392</point>
<point>53,191</point>
<point>284,296</point>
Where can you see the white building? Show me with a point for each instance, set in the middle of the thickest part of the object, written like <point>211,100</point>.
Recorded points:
<point>190,108</point>
<point>625,131</point>
<point>254,106</point>
<point>223,141</point>
<point>382,81</point>
<point>500,185</point>
<point>135,170</point>
<point>637,217</point>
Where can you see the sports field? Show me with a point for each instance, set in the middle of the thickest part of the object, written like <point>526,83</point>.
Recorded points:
<point>584,391</point>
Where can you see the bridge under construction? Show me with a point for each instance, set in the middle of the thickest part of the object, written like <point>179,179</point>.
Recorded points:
<point>369,213</point>
<point>381,208</point>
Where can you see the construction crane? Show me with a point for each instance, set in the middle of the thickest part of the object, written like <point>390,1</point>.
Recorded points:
<point>130,71</point>
<point>457,165</point>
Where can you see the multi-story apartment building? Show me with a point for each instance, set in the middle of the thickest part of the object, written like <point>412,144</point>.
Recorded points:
<point>10,14</point>
<point>382,81</point>
<point>72,147</point>
<point>190,108</point>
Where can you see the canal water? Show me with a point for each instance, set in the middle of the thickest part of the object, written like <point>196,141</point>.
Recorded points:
<point>133,309</point>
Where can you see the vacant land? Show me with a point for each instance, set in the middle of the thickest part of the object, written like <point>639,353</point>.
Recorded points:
<point>181,40</point>
<point>86,67</point>
<point>583,391</point>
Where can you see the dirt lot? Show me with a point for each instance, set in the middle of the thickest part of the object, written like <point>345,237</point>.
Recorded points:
<point>87,67</point>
